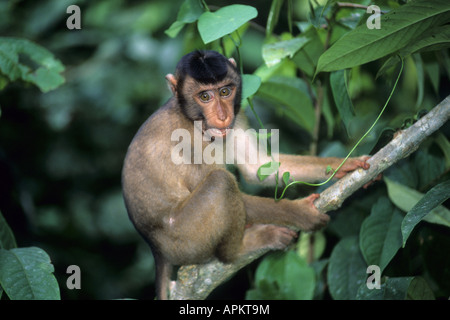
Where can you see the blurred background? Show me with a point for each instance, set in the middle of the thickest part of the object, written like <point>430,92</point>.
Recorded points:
<point>61,152</point>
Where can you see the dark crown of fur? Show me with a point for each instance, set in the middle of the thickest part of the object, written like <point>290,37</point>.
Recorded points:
<point>204,66</point>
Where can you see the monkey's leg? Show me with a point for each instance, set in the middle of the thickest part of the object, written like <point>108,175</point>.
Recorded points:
<point>209,222</point>
<point>301,213</point>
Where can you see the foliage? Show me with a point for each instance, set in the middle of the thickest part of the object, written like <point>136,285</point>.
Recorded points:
<point>407,29</point>
<point>25,273</point>
<point>46,77</point>
<point>311,68</point>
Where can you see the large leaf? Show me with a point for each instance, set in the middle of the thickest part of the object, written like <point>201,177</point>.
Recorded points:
<point>307,57</point>
<point>7,240</point>
<point>347,269</point>
<point>429,166</point>
<point>189,12</point>
<point>406,198</point>
<point>27,274</point>
<point>405,288</point>
<point>215,25</point>
<point>283,276</point>
<point>273,53</point>
<point>292,94</point>
<point>433,39</point>
<point>47,73</point>
<point>399,28</point>
<point>341,98</point>
<point>380,236</point>
<point>250,85</point>
<point>431,200</point>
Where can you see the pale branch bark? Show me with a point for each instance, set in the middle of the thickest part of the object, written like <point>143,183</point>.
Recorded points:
<point>405,143</point>
<point>196,282</point>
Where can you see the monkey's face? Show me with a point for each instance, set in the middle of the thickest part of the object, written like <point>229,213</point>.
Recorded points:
<point>214,104</point>
<point>207,87</point>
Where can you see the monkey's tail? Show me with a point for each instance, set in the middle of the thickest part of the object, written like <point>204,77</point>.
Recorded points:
<point>163,274</point>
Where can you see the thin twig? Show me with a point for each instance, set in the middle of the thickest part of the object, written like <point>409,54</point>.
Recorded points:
<point>355,5</point>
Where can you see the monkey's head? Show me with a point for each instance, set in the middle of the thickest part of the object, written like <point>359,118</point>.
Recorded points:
<point>207,87</point>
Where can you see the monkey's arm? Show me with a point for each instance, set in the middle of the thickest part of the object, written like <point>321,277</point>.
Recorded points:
<point>301,168</point>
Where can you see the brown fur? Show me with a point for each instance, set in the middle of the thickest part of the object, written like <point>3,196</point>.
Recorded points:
<point>190,213</point>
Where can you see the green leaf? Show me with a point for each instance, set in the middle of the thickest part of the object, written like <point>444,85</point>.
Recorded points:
<point>175,28</point>
<point>380,236</point>
<point>274,13</point>
<point>273,53</point>
<point>291,93</point>
<point>286,177</point>
<point>329,169</point>
<point>189,12</point>
<point>341,98</point>
<point>436,38</point>
<point>346,270</point>
<point>399,28</point>
<point>250,85</point>
<point>215,25</point>
<point>27,274</point>
<point>7,239</point>
<point>406,198</point>
<point>283,276</point>
<point>433,71</point>
<point>429,166</point>
<point>392,289</point>
<point>46,76</point>
<point>444,144</point>
<point>304,245</point>
<point>403,288</point>
<point>387,65</point>
<point>420,290</point>
<point>307,57</point>
<point>267,169</point>
<point>432,199</point>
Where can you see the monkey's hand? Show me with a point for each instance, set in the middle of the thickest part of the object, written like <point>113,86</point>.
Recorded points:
<point>310,219</point>
<point>353,164</point>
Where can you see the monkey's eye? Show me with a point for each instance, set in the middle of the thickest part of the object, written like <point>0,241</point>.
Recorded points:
<point>225,92</point>
<point>205,96</point>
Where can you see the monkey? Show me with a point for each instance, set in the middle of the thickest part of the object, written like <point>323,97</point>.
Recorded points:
<point>190,213</point>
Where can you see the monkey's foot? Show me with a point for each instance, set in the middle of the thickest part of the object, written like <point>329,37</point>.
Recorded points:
<point>267,236</point>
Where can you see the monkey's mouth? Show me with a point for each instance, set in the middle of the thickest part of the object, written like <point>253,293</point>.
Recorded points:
<point>215,132</point>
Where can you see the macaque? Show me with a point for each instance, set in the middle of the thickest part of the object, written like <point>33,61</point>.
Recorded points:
<point>192,212</point>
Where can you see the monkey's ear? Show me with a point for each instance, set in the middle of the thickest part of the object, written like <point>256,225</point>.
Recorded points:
<point>233,62</point>
<point>172,82</point>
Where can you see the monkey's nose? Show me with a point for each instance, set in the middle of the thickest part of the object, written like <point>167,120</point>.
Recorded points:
<point>221,113</point>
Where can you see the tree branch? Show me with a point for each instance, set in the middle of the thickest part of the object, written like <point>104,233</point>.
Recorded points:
<point>197,281</point>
